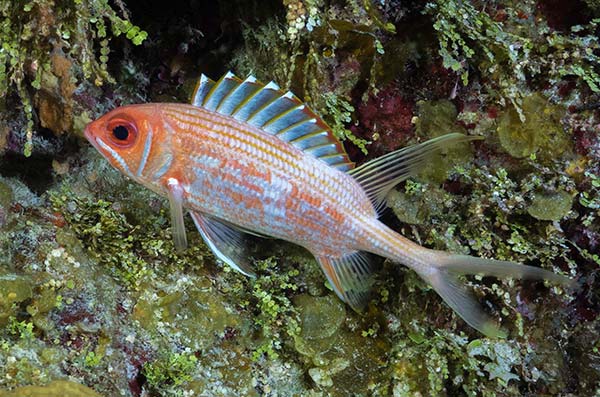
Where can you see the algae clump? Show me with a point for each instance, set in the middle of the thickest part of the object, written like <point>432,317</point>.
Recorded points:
<point>58,388</point>
<point>330,349</point>
<point>550,206</point>
<point>198,313</point>
<point>13,289</point>
<point>315,322</point>
<point>6,195</point>
<point>540,132</point>
<point>418,203</point>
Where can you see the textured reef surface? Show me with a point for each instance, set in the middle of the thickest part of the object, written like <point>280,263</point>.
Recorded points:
<point>95,300</point>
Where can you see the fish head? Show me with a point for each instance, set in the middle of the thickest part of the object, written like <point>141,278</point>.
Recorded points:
<point>128,137</point>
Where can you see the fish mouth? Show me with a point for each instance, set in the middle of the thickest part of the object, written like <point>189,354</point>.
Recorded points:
<point>87,132</point>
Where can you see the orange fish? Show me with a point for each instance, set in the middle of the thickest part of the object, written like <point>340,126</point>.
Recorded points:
<point>249,158</point>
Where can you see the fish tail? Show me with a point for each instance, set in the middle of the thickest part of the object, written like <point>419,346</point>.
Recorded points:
<point>442,274</point>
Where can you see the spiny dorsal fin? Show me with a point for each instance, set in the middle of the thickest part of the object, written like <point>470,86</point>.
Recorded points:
<point>379,176</point>
<point>274,111</point>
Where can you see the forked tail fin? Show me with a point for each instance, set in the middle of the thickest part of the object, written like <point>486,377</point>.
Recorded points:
<point>442,277</point>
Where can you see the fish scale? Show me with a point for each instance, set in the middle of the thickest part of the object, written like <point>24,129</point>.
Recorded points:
<point>248,158</point>
<point>294,161</point>
<point>311,183</point>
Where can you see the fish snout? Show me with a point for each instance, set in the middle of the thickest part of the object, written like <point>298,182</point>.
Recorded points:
<point>87,133</point>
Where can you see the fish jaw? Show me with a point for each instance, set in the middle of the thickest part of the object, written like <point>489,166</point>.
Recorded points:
<point>87,132</point>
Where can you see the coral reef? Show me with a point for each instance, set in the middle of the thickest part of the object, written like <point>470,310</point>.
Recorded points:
<point>95,300</point>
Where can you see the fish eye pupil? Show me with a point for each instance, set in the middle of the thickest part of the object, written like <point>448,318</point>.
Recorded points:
<point>120,132</point>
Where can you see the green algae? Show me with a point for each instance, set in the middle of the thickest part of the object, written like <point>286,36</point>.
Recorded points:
<point>437,118</point>
<point>316,323</point>
<point>6,196</point>
<point>552,206</point>
<point>447,364</point>
<point>275,316</point>
<point>38,41</point>
<point>174,369</point>
<point>197,312</point>
<point>14,289</point>
<point>318,328</point>
<point>331,348</point>
<point>511,54</point>
<point>58,388</point>
<point>541,131</point>
<point>418,203</point>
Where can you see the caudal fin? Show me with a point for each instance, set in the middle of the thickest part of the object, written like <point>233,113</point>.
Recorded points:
<point>443,279</point>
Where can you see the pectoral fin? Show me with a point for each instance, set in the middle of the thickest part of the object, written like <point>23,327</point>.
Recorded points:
<point>226,242</point>
<point>176,203</point>
<point>350,276</point>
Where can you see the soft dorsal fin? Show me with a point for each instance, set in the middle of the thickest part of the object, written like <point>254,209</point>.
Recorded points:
<point>276,112</point>
<point>379,176</point>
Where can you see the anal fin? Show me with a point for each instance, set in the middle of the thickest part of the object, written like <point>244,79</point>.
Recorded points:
<point>227,242</point>
<point>351,277</point>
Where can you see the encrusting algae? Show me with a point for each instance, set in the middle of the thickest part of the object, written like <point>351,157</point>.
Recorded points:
<point>249,158</point>
<point>58,388</point>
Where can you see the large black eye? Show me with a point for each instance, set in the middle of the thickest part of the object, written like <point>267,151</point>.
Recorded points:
<point>120,132</point>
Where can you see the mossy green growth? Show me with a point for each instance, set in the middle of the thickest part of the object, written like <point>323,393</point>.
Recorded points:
<point>14,289</point>
<point>512,53</point>
<point>323,56</point>
<point>418,202</point>
<point>550,206</point>
<point>6,196</point>
<point>540,134</point>
<point>32,31</point>
<point>276,316</point>
<point>340,111</point>
<point>332,350</point>
<point>134,252</point>
<point>196,311</point>
<point>591,199</point>
<point>320,317</point>
<point>446,363</point>
<point>57,388</point>
<point>172,369</point>
<point>437,118</point>
<point>106,233</point>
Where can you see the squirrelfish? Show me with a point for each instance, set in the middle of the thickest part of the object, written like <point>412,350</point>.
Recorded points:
<point>246,157</point>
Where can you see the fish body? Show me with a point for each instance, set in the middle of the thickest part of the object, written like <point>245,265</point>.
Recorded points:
<point>248,158</point>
